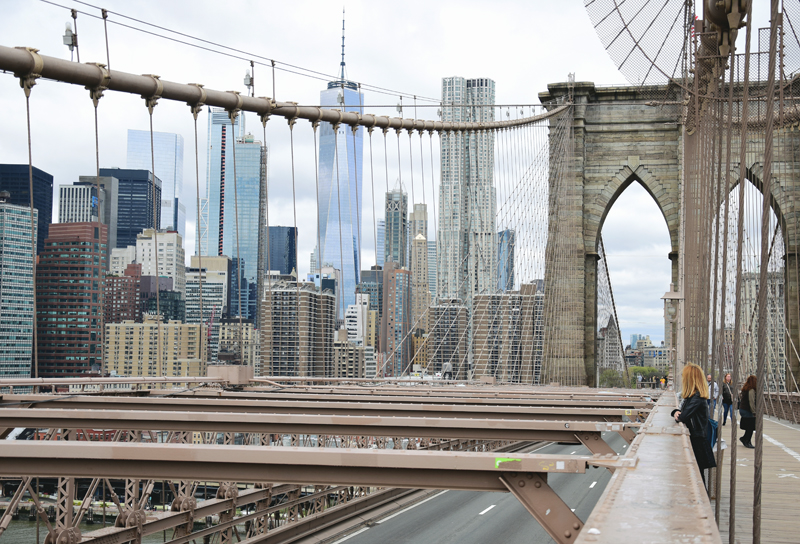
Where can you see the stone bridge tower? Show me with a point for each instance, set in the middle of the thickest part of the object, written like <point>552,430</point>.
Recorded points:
<point>620,137</point>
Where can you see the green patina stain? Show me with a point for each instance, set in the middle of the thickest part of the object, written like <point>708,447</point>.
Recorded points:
<point>499,460</point>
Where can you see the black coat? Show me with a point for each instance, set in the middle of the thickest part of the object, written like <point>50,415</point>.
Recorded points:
<point>694,414</point>
<point>727,394</point>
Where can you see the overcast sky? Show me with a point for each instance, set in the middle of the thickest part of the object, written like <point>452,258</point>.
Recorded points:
<point>406,47</point>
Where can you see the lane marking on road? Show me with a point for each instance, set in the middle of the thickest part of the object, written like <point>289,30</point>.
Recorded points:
<point>351,535</point>
<point>572,452</point>
<point>413,506</point>
<point>784,448</point>
<point>593,484</point>
<point>572,509</point>
<point>492,506</point>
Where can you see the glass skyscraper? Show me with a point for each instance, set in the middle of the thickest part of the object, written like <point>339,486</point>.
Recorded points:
<point>14,179</point>
<point>340,194</point>
<point>16,287</point>
<point>137,191</point>
<point>506,240</point>
<point>282,249</point>
<point>251,176</point>
<point>169,169</point>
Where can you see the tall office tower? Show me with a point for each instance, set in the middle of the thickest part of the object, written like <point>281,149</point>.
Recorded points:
<point>123,296</point>
<point>396,319</point>
<point>217,269</point>
<point>283,250</point>
<point>372,285</point>
<point>171,259</point>
<point>608,355</point>
<point>139,193</point>
<point>169,169</point>
<point>14,179</point>
<point>467,239</point>
<point>432,268</point>
<point>381,242</point>
<point>356,320</point>
<point>79,203</point>
<point>227,236</point>
<point>340,182</point>
<point>170,304</point>
<point>503,339</point>
<point>506,240</point>
<point>774,334</point>
<point>16,287</point>
<point>448,341</point>
<point>69,299</point>
<point>420,294</point>
<point>418,220</point>
<point>132,348</point>
<point>396,237</point>
<point>297,333</point>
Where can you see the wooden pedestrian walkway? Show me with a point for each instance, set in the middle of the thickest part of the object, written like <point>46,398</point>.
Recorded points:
<point>780,510</point>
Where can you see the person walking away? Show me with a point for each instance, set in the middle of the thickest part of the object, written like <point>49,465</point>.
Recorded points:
<point>713,396</point>
<point>694,414</point>
<point>727,398</point>
<point>747,407</point>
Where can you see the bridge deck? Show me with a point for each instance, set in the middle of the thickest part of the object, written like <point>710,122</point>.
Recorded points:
<point>781,476</point>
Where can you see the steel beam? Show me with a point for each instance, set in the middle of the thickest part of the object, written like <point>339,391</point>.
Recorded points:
<point>428,427</point>
<point>325,466</point>
<point>27,62</point>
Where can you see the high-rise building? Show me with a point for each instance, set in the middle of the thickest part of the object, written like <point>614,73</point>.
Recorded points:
<point>609,352</point>
<point>80,203</point>
<point>226,236</point>
<point>432,268</point>
<point>774,333</point>
<point>418,220</point>
<point>69,299</point>
<point>504,330</point>
<point>16,287</point>
<point>381,242</point>
<point>420,295</point>
<point>297,329</point>
<point>123,296</point>
<point>283,250</point>
<point>132,348</point>
<point>138,198</point>
<point>356,320</point>
<point>372,285</point>
<point>467,238</point>
<point>506,240</point>
<point>216,289</point>
<point>245,345</point>
<point>348,358</point>
<point>326,278</point>
<point>396,238</point>
<point>170,254</point>
<point>215,268</point>
<point>448,341</point>
<point>121,257</point>
<point>169,169</point>
<point>340,187</point>
<point>396,318</point>
<point>14,179</point>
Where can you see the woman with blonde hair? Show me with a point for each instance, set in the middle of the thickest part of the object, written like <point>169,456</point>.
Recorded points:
<point>694,414</point>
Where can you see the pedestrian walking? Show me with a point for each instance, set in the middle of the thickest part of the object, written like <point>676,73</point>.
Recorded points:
<point>747,406</point>
<point>713,389</point>
<point>727,398</point>
<point>694,414</point>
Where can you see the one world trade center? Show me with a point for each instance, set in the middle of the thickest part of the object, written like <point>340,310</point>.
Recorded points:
<point>340,194</point>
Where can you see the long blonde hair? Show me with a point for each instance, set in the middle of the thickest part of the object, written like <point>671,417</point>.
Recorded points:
<point>693,381</point>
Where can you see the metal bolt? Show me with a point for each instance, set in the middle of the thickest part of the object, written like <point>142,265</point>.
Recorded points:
<point>522,483</point>
<point>537,484</point>
<point>567,534</point>
<point>566,425</point>
<point>529,475</point>
<point>576,526</point>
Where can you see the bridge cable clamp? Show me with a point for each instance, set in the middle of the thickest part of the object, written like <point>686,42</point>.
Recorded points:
<point>152,100</point>
<point>197,107</point>
<point>96,92</point>
<point>27,81</point>
<point>234,112</point>
<point>271,105</point>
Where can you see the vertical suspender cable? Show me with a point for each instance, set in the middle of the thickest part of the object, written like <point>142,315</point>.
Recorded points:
<point>27,83</point>
<point>151,102</point>
<point>195,109</point>
<point>239,268</point>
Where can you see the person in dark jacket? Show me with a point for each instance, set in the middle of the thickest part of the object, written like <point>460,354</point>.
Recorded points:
<point>747,408</point>
<point>694,414</point>
<point>727,398</point>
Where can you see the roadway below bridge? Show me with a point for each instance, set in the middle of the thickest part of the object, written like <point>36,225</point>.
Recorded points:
<point>473,517</point>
